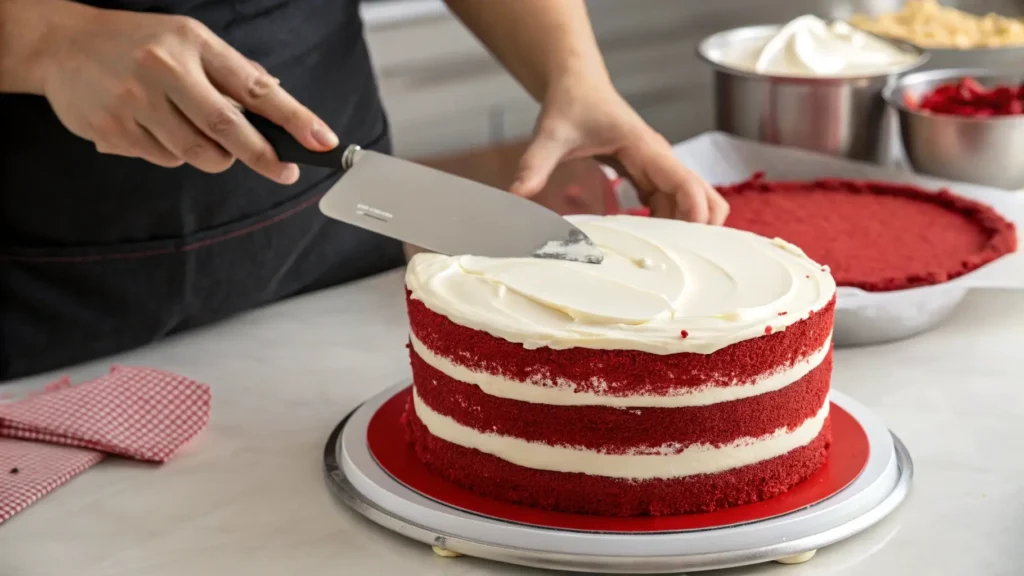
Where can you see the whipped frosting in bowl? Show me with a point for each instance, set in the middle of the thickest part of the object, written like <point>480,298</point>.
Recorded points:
<point>665,287</point>
<point>809,47</point>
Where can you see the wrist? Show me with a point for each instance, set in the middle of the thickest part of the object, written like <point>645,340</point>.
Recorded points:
<point>64,25</point>
<point>583,86</point>
<point>580,78</point>
<point>32,37</point>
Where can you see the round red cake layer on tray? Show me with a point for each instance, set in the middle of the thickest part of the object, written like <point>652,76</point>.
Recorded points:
<point>622,372</point>
<point>495,478</point>
<point>614,430</point>
<point>876,236</point>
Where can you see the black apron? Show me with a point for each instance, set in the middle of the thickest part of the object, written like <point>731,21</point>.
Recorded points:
<point>100,254</point>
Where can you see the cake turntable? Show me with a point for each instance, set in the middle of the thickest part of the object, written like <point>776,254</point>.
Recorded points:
<point>369,467</point>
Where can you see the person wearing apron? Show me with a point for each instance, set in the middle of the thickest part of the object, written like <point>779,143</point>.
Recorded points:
<point>137,202</point>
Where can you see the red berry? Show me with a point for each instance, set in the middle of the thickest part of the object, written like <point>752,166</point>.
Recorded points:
<point>972,86</point>
<point>970,99</point>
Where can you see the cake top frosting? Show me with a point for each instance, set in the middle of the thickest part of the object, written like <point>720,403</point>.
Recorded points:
<point>665,287</point>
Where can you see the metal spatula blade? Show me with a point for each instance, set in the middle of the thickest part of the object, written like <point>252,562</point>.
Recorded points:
<point>448,214</point>
<point>432,209</point>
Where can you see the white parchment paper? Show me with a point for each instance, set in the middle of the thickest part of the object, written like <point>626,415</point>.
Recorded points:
<point>724,159</point>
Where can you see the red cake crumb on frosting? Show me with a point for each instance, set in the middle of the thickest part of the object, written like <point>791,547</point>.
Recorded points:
<point>587,494</point>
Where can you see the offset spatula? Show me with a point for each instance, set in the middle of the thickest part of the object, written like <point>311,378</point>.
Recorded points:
<point>432,209</point>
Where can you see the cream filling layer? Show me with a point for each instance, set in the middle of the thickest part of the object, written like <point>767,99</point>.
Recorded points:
<point>668,463</point>
<point>563,392</point>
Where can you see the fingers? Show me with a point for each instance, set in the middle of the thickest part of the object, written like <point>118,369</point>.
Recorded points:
<point>213,114</point>
<point>548,148</point>
<point>718,207</point>
<point>171,91</point>
<point>692,208</point>
<point>181,137</point>
<point>177,70</point>
<point>251,86</point>
<point>134,141</point>
<point>152,150</point>
<point>666,186</point>
<point>670,189</point>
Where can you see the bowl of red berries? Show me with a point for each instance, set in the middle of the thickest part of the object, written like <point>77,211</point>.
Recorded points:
<point>962,124</point>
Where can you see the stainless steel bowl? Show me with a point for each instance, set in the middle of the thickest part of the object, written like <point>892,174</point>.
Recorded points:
<point>892,316</point>
<point>983,151</point>
<point>837,116</point>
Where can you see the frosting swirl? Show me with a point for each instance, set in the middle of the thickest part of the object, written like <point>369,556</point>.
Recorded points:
<point>809,46</point>
<point>665,287</point>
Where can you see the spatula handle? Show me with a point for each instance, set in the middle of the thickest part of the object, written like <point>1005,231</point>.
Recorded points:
<point>290,150</point>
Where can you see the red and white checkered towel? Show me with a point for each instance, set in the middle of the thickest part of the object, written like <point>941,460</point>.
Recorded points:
<point>49,437</point>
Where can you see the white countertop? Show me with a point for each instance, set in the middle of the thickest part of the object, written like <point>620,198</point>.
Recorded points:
<point>248,496</point>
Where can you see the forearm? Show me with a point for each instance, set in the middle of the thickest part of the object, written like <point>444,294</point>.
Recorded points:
<point>27,28</point>
<point>541,42</point>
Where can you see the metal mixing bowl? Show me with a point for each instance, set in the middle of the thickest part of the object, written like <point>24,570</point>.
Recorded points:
<point>983,151</point>
<point>837,116</point>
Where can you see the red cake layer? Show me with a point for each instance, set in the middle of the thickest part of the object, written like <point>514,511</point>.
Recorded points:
<point>495,478</point>
<point>616,430</point>
<point>623,372</point>
<point>874,235</point>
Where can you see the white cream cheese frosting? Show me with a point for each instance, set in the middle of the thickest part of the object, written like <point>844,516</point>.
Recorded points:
<point>665,462</point>
<point>660,279</point>
<point>811,47</point>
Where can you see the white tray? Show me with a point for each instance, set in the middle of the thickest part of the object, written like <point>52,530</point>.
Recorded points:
<point>861,317</point>
<point>356,480</point>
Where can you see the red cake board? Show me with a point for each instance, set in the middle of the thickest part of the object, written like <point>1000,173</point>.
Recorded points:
<point>387,441</point>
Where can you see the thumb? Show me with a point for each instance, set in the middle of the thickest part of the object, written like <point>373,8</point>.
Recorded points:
<point>538,162</point>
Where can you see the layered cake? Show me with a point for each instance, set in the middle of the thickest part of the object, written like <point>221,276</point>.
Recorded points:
<point>688,372</point>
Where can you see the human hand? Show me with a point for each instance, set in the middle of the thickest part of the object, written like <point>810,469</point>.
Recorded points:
<point>166,89</point>
<point>585,118</point>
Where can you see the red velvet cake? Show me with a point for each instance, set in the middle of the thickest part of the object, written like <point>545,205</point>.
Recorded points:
<point>688,372</point>
<point>876,236</point>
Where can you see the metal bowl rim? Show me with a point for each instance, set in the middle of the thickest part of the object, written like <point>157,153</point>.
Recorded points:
<point>896,86</point>
<point>983,50</point>
<point>922,57</point>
